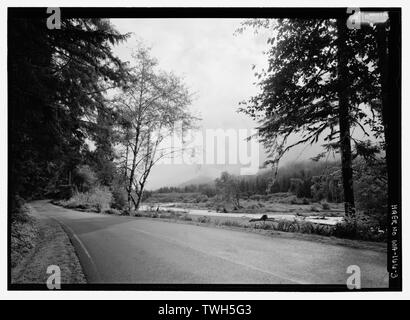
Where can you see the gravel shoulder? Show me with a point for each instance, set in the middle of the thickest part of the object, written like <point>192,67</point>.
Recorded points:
<point>51,246</point>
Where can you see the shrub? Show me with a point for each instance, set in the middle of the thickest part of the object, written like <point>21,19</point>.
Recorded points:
<point>112,211</point>
<point>371,190</point>
<point>359,228</point>
<point>186,217</point>
<point>324,230</point>
<point>98,198</point>
<point>84,178</point>
<point>314,209</point>
<point>266,226</point>
<point>119,198</point>
<point>231,223</point>
<point>209,191</point>
<point>204,219</point>
<point>101,198</point>
<point>23,231</point>
<point>76,200</point>
<point>19,211</point>
<point>62,192</point>
<point>287,226</point>
<point>174,214</point>
<point>306,227</point>
<point>256,197</point>
<point>201,198</point>
<point>325,206</point>
<point>290,199</point>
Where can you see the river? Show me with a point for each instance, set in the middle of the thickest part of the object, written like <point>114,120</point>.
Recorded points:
<point>205,212</point>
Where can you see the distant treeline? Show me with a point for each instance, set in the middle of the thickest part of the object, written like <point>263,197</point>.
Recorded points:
<point>318,181</point>
<point>299,178</point>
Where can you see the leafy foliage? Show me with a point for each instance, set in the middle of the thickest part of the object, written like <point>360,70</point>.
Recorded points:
<point>84,178</point>
<point>228,187</point>
<point>299,90</point>
<point>57,81</point>
<point>150,107</point>
<point>371,190</point>
<point>98,198</point>
<point>320,76</point>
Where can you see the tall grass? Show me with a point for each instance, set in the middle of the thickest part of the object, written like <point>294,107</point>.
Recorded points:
<point>98,198</point>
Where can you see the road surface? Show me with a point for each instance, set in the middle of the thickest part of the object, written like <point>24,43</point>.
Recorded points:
<point>114,249</point>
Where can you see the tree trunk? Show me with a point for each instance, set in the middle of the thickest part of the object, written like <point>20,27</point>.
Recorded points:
<point>381,39</point>
<point>139,196</point>
<point>142,185</point>
<point>132,172</point>
<point>344,122</point>
<point>126,159</point>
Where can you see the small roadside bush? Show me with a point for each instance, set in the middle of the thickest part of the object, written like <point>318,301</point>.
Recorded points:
<point>231,223</point>
<point>84,178</point>
<point>19,210</point>
<point>175,215</point>
<point>112,211</point>
<point>99,198</point>
<point>256,197</point>
<point>186,217</point>
<point>119,198</point>
<point>289,199</point>
<point>359,228</point>
<point>266,226</point>
<point>23,231</point>
<point>204,219</point>
<point>288,226</point>
<point>296,200</point>
<point>325,206</point>
<point>314,209</point>
<point>201,198</point>
<point>306,227</point>
<point>261,205</point>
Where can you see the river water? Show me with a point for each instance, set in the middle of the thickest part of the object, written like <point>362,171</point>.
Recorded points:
<point>213,213</point>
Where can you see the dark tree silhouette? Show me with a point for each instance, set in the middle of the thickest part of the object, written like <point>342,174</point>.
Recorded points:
<point>57,81</point>
<point>318,76</point>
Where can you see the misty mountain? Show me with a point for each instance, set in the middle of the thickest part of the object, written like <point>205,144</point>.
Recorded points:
<point>202,179</point>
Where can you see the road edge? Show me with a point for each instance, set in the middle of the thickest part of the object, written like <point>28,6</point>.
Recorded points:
<point>52,246</point>
<point>87,264</point>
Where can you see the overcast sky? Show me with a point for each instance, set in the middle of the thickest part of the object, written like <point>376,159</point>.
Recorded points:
<point>216,66</point>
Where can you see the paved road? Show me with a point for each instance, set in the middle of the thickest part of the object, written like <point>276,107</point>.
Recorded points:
<point>115,249</point>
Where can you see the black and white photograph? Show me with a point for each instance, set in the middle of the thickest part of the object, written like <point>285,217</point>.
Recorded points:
<point>204,149</point>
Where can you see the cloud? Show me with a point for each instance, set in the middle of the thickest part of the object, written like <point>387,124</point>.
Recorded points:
<point>216,66</point>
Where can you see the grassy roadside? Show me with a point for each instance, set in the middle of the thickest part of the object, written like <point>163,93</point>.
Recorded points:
<point>243,225</point>
<point>49,245</point>
<point>24,234</point>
